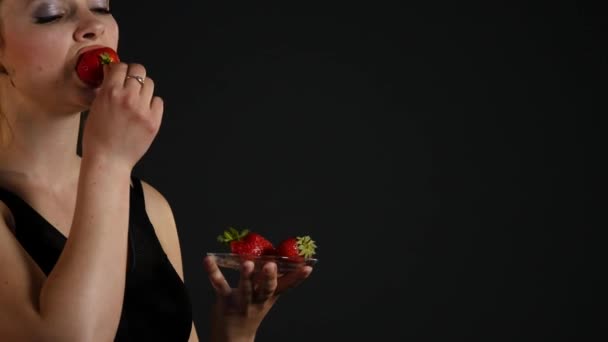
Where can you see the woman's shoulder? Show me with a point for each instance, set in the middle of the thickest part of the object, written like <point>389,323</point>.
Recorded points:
<point>161,216</point>
<point>156,202</point>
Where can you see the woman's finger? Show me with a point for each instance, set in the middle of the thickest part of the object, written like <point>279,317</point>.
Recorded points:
<point>134,69</point>
<point>246,283</point>
<point>147,91</point>
<point>216,277</point>
<point>266,283</point>
<point>114,75</point>
<point>293,279</point>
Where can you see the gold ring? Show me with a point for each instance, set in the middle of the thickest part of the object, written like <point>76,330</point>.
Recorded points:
<point>138,78</point>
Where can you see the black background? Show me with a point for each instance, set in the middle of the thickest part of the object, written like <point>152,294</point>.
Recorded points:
<point>444,155</point>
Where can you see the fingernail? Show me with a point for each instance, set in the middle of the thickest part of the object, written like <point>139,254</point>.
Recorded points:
<point>271,268</point>
<point>247,265</point>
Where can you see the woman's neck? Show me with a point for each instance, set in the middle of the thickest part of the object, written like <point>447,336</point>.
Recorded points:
<point>41,151</point>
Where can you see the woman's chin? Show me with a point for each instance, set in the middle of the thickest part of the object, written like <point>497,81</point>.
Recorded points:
<point>87,93</point>
<point>86,97</point>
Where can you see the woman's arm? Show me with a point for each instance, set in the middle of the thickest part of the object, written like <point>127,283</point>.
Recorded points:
<point>83,294</point>
<point>81,300</point>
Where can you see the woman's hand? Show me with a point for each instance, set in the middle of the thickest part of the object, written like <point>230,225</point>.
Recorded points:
<point>124,117</point>
<point>238,312</point>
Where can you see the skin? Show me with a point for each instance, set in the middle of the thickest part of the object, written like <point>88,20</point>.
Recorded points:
<point>40,103</point>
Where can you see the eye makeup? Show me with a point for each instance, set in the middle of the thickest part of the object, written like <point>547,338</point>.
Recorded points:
<point>49,11</point>
<point>100,3</point>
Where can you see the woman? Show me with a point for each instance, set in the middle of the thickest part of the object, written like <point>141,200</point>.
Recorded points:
<point>87,251</point>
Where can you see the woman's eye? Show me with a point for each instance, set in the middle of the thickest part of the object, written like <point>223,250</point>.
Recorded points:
<point>44,20</point>
<point>102,10</point>
<point>48,19</point>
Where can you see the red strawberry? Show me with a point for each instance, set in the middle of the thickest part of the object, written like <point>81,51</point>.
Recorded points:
<point>90,65</point>
<point>246,242</point>
<point>297,248</point>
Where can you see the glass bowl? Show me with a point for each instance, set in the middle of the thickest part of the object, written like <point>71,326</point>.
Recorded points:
<point>284,264</point>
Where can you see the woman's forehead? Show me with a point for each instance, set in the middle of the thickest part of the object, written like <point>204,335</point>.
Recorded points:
<point>14,5</point>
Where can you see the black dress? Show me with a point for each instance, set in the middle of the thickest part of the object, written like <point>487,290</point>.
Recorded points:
<point>156,304</point>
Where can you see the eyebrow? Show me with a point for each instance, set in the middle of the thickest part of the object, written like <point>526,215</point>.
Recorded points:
<point>28,3</point>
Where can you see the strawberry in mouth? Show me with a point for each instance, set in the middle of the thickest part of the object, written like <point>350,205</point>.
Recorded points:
<point>89,67</point>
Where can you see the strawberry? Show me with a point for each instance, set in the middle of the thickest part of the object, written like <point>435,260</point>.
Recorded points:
<point>90,63</point>
<point>296,248</point>
<point>246,243</point>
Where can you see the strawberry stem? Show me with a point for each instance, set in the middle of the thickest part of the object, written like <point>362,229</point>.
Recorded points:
<point>105,58</point>
<point>232,234</point>
<point>306,246</point>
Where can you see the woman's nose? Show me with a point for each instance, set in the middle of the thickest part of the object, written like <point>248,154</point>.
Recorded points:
<point>90,28</point>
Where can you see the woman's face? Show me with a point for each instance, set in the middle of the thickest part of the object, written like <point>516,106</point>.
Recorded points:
<point>39,47</point>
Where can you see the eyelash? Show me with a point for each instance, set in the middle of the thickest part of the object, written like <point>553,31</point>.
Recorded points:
<point>46,20</point>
